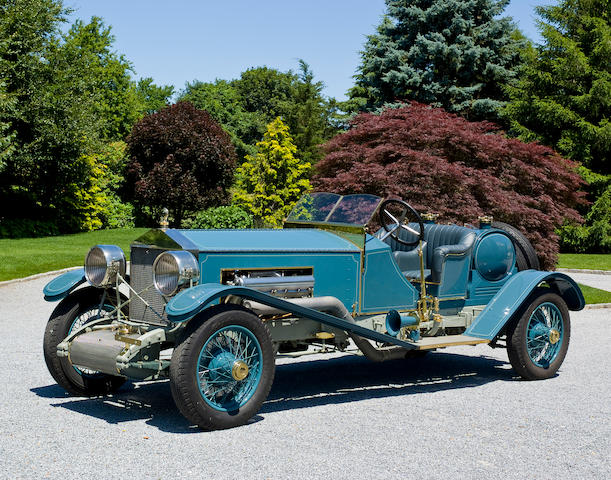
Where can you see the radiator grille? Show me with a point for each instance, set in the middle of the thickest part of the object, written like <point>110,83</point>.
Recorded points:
<point>141,277</point>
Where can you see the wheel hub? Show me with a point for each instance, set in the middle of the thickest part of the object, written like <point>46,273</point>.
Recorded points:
<point>239,370</point>
<point>554,336</point>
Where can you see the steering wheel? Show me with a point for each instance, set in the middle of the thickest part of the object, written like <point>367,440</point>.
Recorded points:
<point>397,222</point>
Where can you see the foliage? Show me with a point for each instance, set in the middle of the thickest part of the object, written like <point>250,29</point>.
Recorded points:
<point>110,163</point>
<point>28,256</point>
<point>246,105</point>
<point>6,136</point>
<point>563,98</point>
<point>455,54</point>
<point>439,162</point>
<point>269,183</point>
<point>52,119</point>
<point>62,96</point>
<point>107,76</point>
<point>230,216</point>
<point>222,101</point>
<point>26,228</point>
<point>153,97</point>
<point>179,158</point>
<point>595,234</point>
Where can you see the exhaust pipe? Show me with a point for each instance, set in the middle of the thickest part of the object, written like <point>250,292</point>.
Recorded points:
<point>333,306</point>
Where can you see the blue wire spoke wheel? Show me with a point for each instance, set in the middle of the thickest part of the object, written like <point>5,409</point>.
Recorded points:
<point>544,334</point>
<point>229,368</point>
<point>222,372</point>
<point>538,341</point>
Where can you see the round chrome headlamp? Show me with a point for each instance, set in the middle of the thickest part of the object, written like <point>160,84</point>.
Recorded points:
<point>103,263</point>
<point>173,269</point>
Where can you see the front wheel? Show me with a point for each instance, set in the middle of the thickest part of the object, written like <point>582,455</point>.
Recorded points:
<point>221,374</point>
<point>77,309</point>
<point>538,342</point>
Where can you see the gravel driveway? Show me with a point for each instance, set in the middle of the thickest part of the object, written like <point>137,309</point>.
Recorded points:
<point>458,413</point>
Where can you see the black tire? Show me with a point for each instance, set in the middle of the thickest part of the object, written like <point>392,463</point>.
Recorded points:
<point>185,368</point>
<point>59,325</point>
<point>526,256</point>
<point>523,334</point>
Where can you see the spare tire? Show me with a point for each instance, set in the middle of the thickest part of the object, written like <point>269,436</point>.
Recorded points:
<point>526,256</point>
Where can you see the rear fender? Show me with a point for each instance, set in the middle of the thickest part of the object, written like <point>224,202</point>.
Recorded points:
<point>61,286</point>
<point>191,301</point>
<point>515,294</point>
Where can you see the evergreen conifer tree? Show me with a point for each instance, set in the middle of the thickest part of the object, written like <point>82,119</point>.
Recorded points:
<point>270,182</point>
<point>454,54</point>
<point>563,98</point>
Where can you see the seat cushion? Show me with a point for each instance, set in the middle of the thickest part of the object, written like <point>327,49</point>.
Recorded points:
<point>415,274</point>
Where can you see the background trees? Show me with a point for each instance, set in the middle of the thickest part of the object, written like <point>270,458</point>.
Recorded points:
<point>563,99</point>
<point>454,54</point>
<point>459,169</point>
<point>62,98</point>
<point>245,106</point>
<point>179,158</point>
<point>269,183</point>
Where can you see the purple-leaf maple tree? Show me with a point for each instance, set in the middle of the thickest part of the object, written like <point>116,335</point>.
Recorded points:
<point>180,158</point>
<point>439,162</point>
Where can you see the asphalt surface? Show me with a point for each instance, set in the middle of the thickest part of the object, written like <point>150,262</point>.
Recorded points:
<point>457,413</point>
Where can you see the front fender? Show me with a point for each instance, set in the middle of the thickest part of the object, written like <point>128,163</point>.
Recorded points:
<point>508,301</point>
<point>61,286</point>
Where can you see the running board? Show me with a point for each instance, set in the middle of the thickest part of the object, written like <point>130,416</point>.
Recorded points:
<point>428,343</point>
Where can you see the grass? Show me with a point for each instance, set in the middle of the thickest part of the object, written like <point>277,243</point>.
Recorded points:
<point>27,256</point>
<point>585,261</point>
<point>595,295</point>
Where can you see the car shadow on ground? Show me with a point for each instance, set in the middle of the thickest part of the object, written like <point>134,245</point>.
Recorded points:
<point>299,385</point>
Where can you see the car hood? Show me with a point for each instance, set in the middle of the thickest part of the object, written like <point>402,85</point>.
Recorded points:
<point>221,241</point>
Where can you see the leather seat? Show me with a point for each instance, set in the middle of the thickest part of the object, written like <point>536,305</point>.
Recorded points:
<point>440,241</point>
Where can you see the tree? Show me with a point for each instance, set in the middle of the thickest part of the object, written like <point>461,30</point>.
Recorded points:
<point>563,97</point>
<point>108,79</point>
<point>52,120</point>
<point>179,158</point>
<point>246,105</point>
<point>454,54</point>
<point>440,162</point>
<point>223,102</point>
<point>6,136</point>
<point>153,97</point>
<point>269,183</point>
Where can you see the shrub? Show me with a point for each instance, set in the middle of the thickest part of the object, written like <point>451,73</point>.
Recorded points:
<point>27,228</point>
<point>440,162</point>
<point>230,216</point>
<point>270,183</point>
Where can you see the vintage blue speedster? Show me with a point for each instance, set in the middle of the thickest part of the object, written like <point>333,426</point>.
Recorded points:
<point>210,309</point>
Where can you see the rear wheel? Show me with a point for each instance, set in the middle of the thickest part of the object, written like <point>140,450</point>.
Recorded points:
<point>76,310</point>
<point>222,372</point>
<point>539,340</point>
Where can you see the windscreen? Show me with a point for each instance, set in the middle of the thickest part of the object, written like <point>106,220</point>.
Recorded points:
<point>333,208</point>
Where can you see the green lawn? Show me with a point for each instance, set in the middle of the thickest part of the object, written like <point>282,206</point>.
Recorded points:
<point>585,261</point>
<point>27,256</point>
<point>595,295</point>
